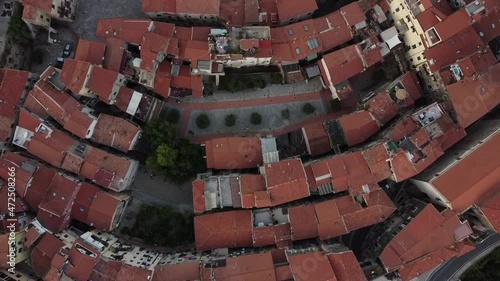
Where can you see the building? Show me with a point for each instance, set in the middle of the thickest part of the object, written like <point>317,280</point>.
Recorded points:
<point>487,210</point>
<point>236,153</point>
<point>14,86</point>
<point>75,75</point>
<point>47,99</point>
<point>467,172</point>
<point>41,13</point>
<point>62,151</point>
<point>472,98</point>
<point>281,225</point>
<point>217,12</point>
<point>57,198</point>
<point>279,182</point>
<point>91,51</point>
<point>139,105</point>
<point>339,66</point>
<point>429,240</point>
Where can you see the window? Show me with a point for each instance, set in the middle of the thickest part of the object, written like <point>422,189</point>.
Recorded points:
<point>418,58</point>
<point>297,51</point>
<point>312,43</point>
<point>414,46</point>
<point>420,43</point>
<point>290,31</point>
<point>306,27</point>
<point>397,10</point>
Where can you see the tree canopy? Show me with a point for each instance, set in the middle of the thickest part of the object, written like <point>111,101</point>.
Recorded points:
<point>175,159</point>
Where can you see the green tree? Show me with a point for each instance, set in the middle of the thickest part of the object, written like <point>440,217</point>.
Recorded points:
<point>335,105</point>
<point>255,118</point>
<point>173,116</point>
<point>308,108</point>
<point>166,156</point>
<point>202,121</point>
<point>285,113</point>
<point>230,120</point>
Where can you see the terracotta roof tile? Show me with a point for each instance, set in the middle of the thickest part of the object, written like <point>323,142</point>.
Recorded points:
<point>330,222</point>
<point>286,181</point>
<point>116,132</point>
<point>303,222</point>
<point>226,229</point>
<point>333,30</point>
<point>317,139</point>
<point>81,265</point>
<point>233,153</point>
<point>486,26</point>
<point>403,128</point>
<point>323,270</point>
<point>352,14</point>
<point>341,65</point>
<point>114,56</point>
<point>90,51</point>
<point>346,266</point>
<point>457,46</point>
<point>12,86</point>
<point>491,208</point>
<point>472,177</point>
<point>358,127</point>
<point>44,252</point>
<point>173,272</point>
<point>130,30</point>
<point>102,81</point>
<point>74,73</point>
<point>288,9</point>
<point>383,108</point>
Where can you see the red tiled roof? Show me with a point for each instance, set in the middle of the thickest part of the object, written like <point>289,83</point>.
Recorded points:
<point>472,99</point>
<point>487,25</point>
<point>159,6</point>
<point>55,208</point>
<point>40,184</point>
<point>116,132</point>
<point>283,273</point>
<point>346,266</point>
<point>102,81</point>
<point>73,74</point>
<point>418,267</point>
<point>198,197</point>
<point>245,267</point>
<point>303,222</point>
<point>377,159</point>
<point>300,263</point>
<point>332,30</point>
<point>426,233</point>
<point>233,153</point>
<point>44,252</point>
<point>352,14</point>
<point>44,5</point>
<point>114,56</point>
<point>341,65</point>
<point>81,265</point>
<point>383,108</point>
<point>330,222</point>
<point>457,46</point>
<point>132,272</point>
<point>477,63</point>
<point>412,85</point>
<point>286,181</point>
<point>428,18</point>
<point>295,41</point>
<point>317,140</point>
<point>455,23</point>
<point>380,207</point>
<point>130,30</point>
<point>288,9</point>
<point>251,11</point>
<point>209,7</point>
<point>358,127</point>
<point>12,83</point>
<point>472,177</point>
<point>63,108</point>
<point>106,169</point>
<point>226,229</point>
<point>90,51</point>
<point>491,208</point>
<point>403,128</point>
<point>106,270</point>
<point>174,272</point>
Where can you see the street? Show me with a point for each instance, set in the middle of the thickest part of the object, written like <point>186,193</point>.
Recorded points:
<point>450,269</point>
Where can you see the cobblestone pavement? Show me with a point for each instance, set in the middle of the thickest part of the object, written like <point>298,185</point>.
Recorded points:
<point>89,12</point>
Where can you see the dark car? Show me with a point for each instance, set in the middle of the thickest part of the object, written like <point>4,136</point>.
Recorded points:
<point>67,50</point>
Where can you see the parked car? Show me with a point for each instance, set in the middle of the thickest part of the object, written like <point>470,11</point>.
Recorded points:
<point>67,50</point>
